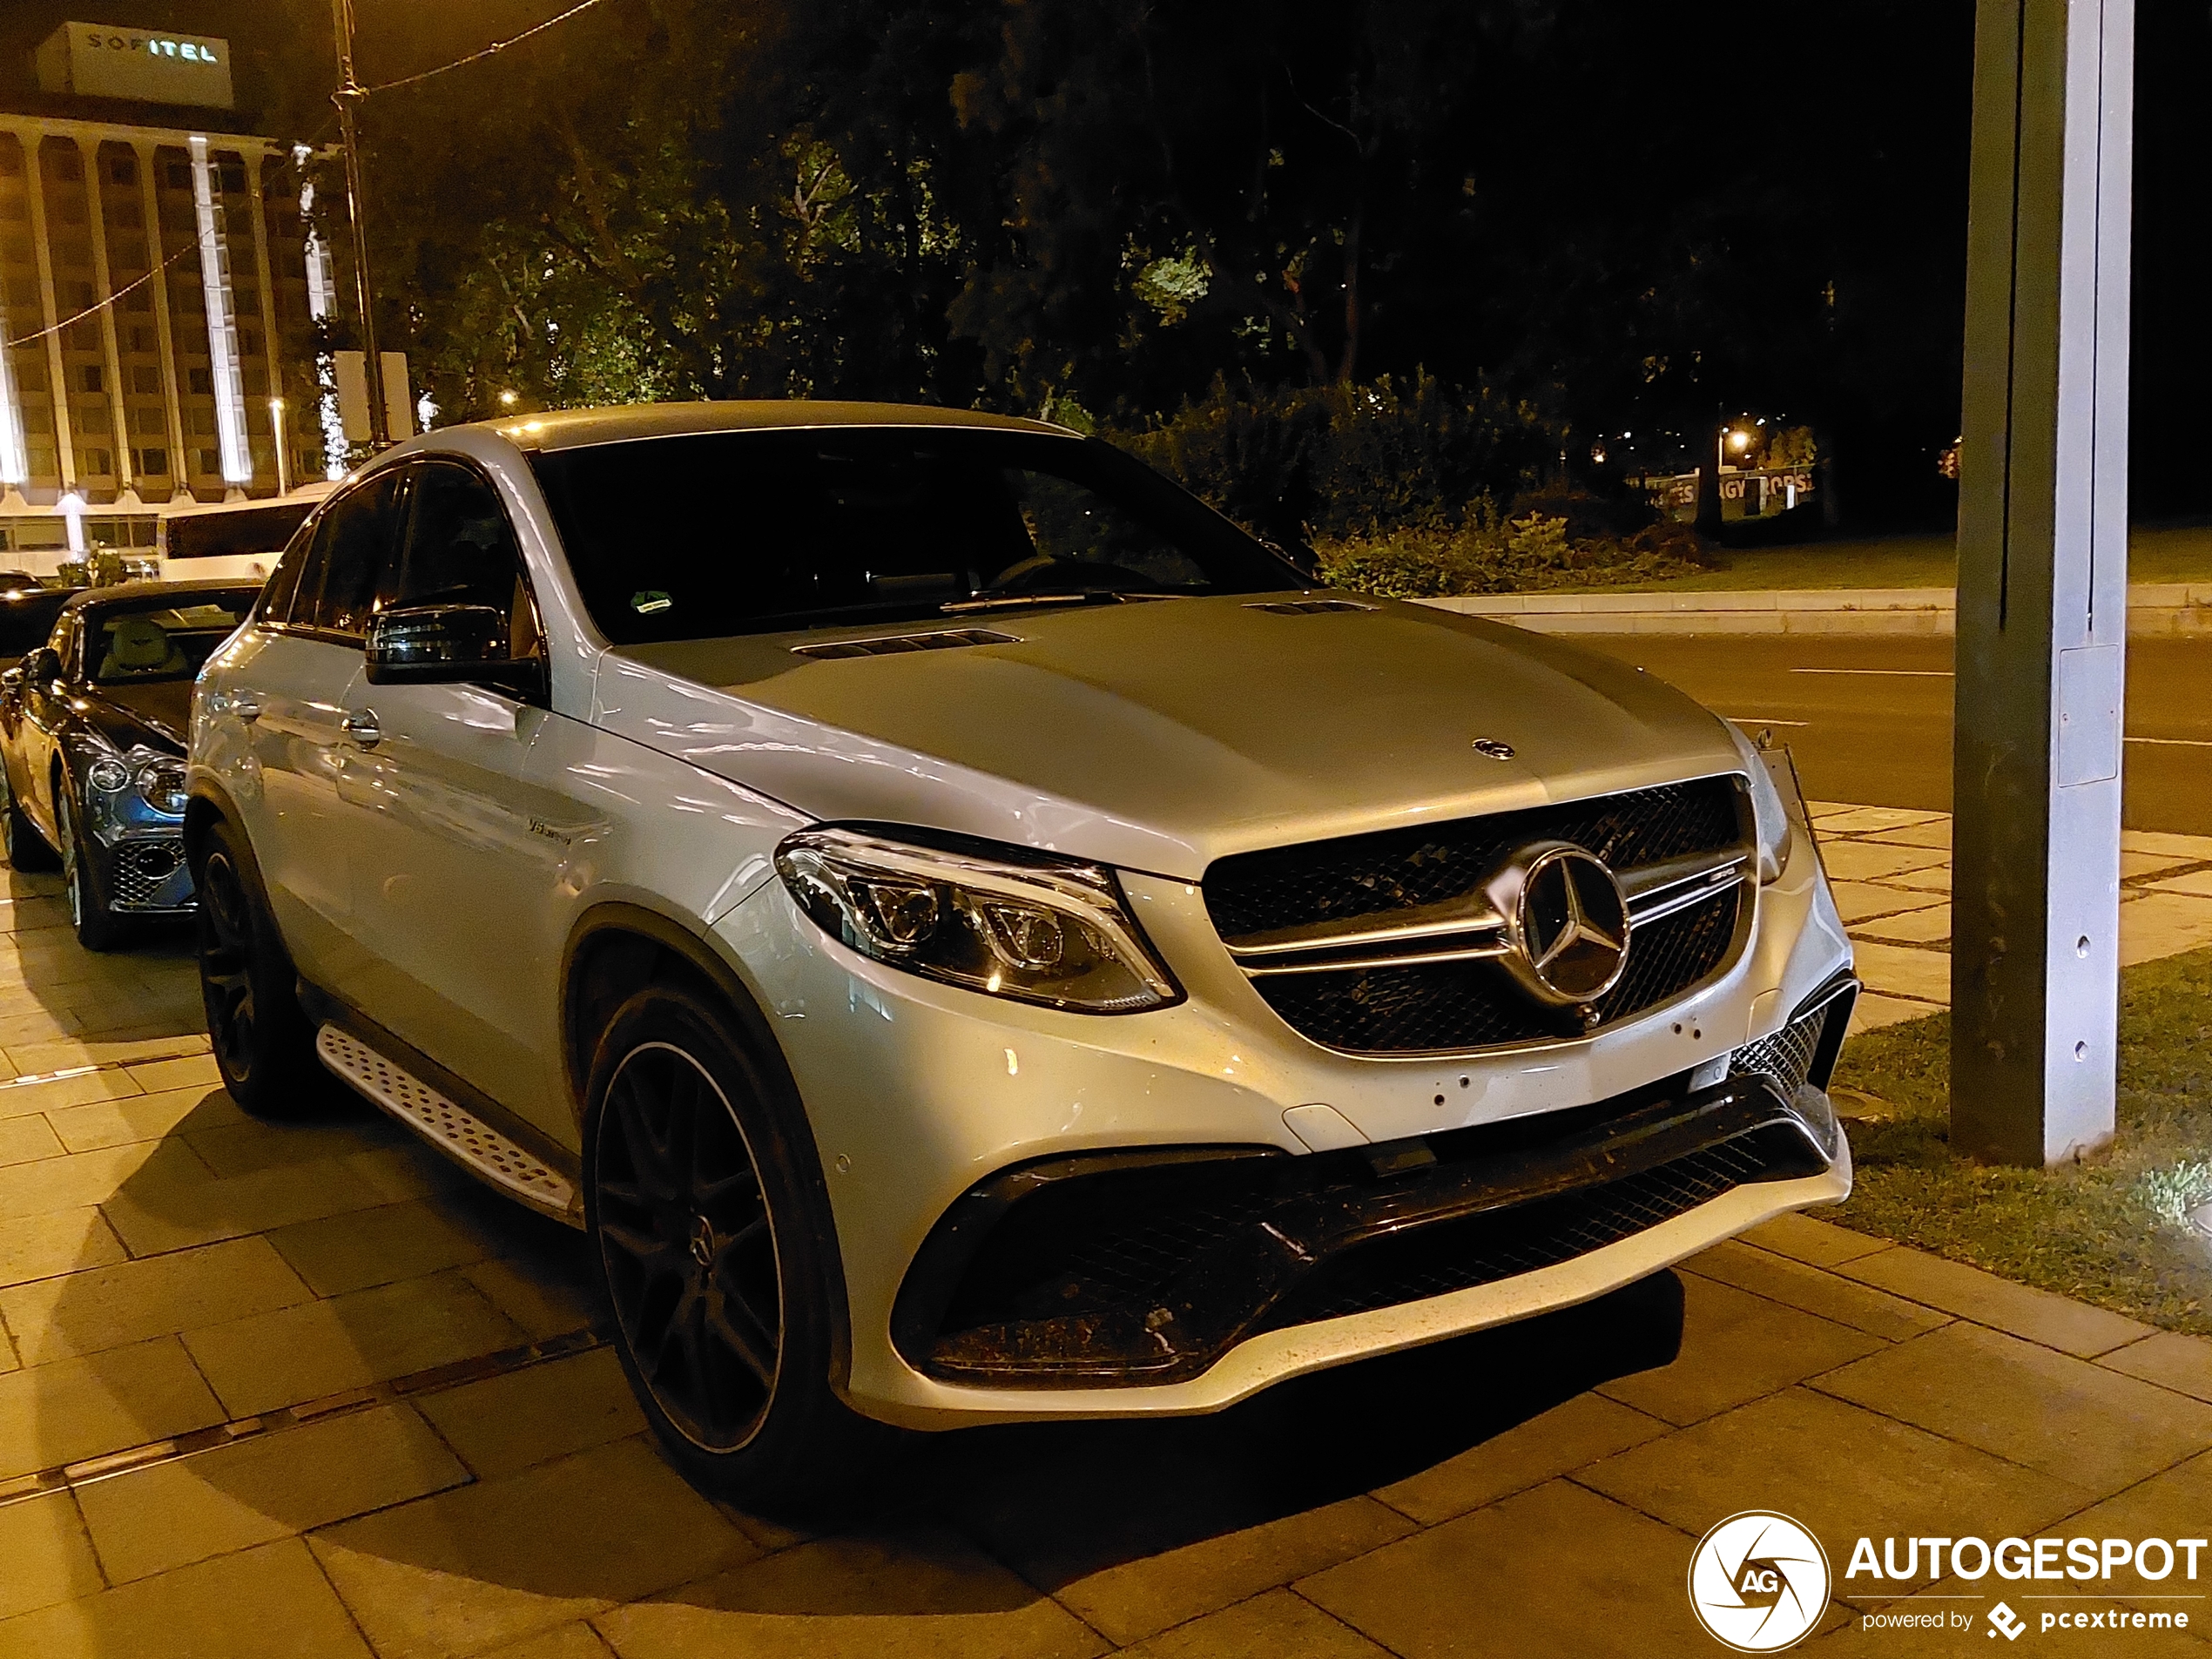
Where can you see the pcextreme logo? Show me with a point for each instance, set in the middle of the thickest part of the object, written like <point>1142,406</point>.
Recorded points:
<point>1758,1581</point>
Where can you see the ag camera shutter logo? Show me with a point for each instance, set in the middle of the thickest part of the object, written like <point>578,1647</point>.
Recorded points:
<point>1758,1581</point>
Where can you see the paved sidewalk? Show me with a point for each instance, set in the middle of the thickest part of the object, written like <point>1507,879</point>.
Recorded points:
<point>1891,869</point>
<point>304,1390</point>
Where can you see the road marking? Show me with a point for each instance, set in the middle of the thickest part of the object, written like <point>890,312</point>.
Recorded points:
<point>2177,743</point>
<point>1894,673</point>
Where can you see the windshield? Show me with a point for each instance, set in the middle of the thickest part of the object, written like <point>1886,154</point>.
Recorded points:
<point>166,641</point>
<point>723,533</point>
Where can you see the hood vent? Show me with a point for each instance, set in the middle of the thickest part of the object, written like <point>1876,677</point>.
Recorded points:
<point>1306,607</point>
<point>898,645</point>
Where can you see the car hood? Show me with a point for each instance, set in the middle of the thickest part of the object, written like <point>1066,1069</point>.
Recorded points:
<point>1161,735</point>
<point>156,716</point>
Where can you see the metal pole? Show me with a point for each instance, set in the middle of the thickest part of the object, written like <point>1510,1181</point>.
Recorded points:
<point>348,95</point>
<point>284,463</point>
<point>2042,583</point>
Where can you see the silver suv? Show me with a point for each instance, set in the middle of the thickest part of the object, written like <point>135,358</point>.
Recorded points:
<point>973,937</point>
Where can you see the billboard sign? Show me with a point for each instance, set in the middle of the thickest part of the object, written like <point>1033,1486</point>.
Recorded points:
<point>150,65</point>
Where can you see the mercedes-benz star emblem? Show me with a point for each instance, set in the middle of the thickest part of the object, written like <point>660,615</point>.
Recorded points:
<point>1567,925</point>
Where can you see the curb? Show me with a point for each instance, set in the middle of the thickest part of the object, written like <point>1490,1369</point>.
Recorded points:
<point>2157,609</point>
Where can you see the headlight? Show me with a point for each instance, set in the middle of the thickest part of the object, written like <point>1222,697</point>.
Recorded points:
<point>1040,930</point>
<point>1770,816</point>
<point>161,785</point>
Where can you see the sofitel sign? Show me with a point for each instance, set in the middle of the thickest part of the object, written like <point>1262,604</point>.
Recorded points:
<point>105,60</point>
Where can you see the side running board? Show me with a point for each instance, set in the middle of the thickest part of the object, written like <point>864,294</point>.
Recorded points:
<point>452,1128</point>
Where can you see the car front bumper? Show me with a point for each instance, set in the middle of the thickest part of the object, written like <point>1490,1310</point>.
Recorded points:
<point>921,1096</point>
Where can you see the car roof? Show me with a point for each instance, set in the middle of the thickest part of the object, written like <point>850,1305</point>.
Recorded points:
<point>139,592</point>
<point>575,428</point>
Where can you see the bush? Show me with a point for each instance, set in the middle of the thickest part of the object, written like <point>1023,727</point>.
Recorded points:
<point>1333,461</point>
<point>1489,554</point>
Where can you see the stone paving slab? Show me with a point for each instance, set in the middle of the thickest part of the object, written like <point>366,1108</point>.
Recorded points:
<point>265,1389</point>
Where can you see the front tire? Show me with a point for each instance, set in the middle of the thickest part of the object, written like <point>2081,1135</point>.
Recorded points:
<point>263,1044</point>
<point>98,927</point>
<point>719,1256</point>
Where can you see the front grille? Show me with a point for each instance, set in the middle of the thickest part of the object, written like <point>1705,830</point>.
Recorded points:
<point>1363,875</point>
<point>1485,1249</point>
<point>1457,1006</point>
<point>138,868</point>
<point>1148,1267</point>
<point>1452,1007</point>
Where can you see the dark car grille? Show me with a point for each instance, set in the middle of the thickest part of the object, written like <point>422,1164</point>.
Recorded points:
<point>1137,1267</point>
<point>138,869</point>
<point>1464,1005</point>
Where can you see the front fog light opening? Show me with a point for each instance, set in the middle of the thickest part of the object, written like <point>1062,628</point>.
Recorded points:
<point>999,920</point>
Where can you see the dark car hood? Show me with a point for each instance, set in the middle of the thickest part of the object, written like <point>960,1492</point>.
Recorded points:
<point>156,716</point>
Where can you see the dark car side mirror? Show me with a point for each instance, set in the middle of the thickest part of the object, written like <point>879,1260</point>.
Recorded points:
<point>445,645</point>
<point>43,666</point>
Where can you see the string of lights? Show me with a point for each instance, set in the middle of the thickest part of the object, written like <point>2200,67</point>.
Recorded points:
<point>496,48</point>
<point>98,306</point>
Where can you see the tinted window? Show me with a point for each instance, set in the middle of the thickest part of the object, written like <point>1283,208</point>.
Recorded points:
<point>751,532</point>
<point>338,583</point>
<point>460,550</point>
<point>238,531</point>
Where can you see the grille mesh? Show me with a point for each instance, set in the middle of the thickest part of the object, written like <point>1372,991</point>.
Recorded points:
<point>1472,1005</point>
<point>139,868</point>
<point>1363,875</point>
<point>1785,1057</point>
<point>1458,1006</point>
<point>1484,1249</point>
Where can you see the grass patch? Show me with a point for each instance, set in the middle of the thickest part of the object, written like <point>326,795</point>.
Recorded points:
<point>2108,1230</point>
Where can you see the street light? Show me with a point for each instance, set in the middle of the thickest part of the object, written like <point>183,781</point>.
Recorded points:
<point>509,400</point>
<point>276,424</point>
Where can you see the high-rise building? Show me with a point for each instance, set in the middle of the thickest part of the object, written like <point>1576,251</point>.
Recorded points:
<point>159,279</point>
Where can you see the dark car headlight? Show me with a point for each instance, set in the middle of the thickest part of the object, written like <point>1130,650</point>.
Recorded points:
<point>157,780</point>
<point>1052,931</point>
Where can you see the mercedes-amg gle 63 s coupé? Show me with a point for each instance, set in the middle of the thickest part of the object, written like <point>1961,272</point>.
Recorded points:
<point>975,936</point>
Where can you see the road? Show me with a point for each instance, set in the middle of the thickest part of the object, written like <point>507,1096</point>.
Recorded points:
<point>1870,719</point>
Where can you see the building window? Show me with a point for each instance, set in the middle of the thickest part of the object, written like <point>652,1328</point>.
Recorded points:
<point>249,343</point>
<point>202,381</point>
<point>123,170</point>
<point>67,164</point>
<point>230,178</point>
<point>144,377</point>
<point>98,463</point>
<point>177,175</point>
<point>153,463</point>
<point>210,461</point>
<point>89,379</point>
<point>150,421</point>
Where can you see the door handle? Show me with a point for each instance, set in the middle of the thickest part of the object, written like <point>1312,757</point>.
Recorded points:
<point>361,727</point>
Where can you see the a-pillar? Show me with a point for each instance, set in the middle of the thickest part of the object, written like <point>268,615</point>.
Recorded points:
<point>2043,582</point>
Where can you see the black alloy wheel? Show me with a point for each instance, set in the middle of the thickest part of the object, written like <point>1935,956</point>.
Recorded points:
<point>704,1198</point>
<point>98,927</point>
<point>21,843</point>
<point>689,1248</point>
<point>262,1044</point>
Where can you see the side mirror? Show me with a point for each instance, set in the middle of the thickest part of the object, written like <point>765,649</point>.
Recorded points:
<point>43,666</point>
<point>445,645</point>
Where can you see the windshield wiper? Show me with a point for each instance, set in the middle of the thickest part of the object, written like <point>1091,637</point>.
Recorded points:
<point>1024,601</point>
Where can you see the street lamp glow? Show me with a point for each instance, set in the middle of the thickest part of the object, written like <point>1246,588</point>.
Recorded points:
<point>1739,440</point>
<point>509,400</point>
